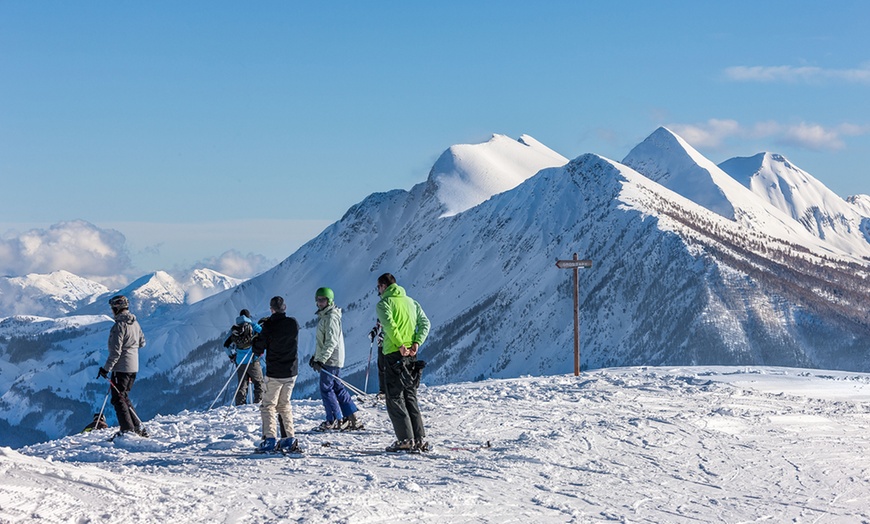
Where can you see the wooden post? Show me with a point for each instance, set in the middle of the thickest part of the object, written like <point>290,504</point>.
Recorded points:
<point>575,264</point>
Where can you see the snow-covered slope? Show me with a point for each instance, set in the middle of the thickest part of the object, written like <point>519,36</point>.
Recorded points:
<point>468,174</point>
<point>798,194</point>
<point>53,295</point>
<point>675,445</point>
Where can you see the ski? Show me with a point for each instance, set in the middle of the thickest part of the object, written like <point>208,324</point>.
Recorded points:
<point>342,431</point>
<point>379,451</point>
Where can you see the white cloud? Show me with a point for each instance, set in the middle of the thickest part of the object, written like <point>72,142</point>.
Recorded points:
<point>235,264</point>
<point>709,134</point>
<point>812,136</point>
<point>714,133</point>
<point>792,74</point>
<point>76,246</point>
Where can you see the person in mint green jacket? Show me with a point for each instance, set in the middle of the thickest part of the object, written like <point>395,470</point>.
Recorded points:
<point>327,361</point>
<point>405,328</point>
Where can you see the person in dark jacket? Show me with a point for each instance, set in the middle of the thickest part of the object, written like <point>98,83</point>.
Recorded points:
<point>125,339</point>
<point>279,339</point>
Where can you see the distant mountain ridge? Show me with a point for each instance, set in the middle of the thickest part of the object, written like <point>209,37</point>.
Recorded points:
<point>673,282</point>
<point>55,294</point>
<point>62,293</point>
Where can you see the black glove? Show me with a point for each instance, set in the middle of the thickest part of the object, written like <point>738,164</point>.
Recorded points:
<point>315,365</point>
<point>102,373</point>
<point>233,357</point>
<point>372,334</point>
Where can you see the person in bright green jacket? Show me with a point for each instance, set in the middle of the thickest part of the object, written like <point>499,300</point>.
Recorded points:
<point>405,328</point>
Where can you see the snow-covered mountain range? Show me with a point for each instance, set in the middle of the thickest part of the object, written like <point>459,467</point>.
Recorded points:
<point>62,293</point>
<point>690,266</point>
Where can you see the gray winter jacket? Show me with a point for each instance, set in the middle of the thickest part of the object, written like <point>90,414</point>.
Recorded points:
<point>330,340</point>
<point>125,339</point>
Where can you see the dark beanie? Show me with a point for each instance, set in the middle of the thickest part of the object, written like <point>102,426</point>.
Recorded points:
<point>245,313</point>
<point>277,303</point>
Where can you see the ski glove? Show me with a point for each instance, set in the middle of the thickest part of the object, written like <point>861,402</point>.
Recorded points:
<point>102,373</point>
<point>233,357</point>
<point>315,365</point>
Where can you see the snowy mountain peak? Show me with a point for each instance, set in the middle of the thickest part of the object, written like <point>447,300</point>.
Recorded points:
<point>669,160</point>
<point>774,178</point>
<point>204,282</point>
<point>467,174</point>
<point>802,197</point>
<point>861,203</point>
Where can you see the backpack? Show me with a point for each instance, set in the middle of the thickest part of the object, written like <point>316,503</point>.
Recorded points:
<point>242,335</point>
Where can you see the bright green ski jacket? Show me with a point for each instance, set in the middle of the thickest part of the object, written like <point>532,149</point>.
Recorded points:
<point>402,318</point>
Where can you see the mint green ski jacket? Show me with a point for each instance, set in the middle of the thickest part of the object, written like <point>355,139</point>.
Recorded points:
<point>329,339</point>
<point>402,318</point>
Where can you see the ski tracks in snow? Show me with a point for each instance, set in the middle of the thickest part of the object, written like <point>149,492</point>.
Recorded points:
<point>626,445</point>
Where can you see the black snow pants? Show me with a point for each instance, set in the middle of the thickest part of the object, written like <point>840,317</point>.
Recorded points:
<point>123,383</point>
<point>402,377</point>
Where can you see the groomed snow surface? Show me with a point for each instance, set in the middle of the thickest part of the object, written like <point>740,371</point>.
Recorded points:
<point>675,445</point>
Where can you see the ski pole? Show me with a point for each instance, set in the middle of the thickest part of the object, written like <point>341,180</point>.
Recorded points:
<point>100,417</point>
<point>247,366</point>
<point>223,388</point>
<point>369,365</point>
<point>129,404</point>
<point>349,386</point>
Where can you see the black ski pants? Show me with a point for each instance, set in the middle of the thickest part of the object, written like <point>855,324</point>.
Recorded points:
<point>249,371</point>
<point>402,377</point>
<point>123,383</point>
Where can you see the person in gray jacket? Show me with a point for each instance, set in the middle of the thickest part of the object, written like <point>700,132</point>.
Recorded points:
<point>328,360</point>
<point>125,339</point>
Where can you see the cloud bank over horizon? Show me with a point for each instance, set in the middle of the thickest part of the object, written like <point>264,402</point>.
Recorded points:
<point>76,246</point>
<point>815,137</point>
<point>798,74</point>
<point>236,264</point>
<point>106,255</point>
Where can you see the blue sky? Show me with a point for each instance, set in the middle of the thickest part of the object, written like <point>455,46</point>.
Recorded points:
<point>198,128</point>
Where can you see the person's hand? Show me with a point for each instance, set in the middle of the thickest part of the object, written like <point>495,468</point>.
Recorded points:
<point>413,351</point>
<point>372,334</point>
<point>102,373</point>
<point>233,357</point>
<point>404,351</point>
<point>315,365</point>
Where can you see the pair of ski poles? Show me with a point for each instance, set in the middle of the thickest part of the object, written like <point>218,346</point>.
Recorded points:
<point>229,379</point>
<point>348,385</point>
<point>138,420</point>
